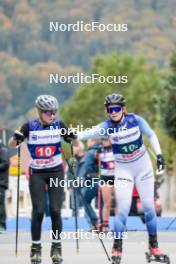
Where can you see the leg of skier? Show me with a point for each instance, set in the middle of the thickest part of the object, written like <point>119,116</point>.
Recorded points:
<point>37,192</point>
<point>123,190</point>
<point>145,185</point>
<point>55,202</point>
<point>107,197</point>
<point>89,193</point>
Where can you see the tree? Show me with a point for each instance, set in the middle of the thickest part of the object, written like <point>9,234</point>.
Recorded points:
<point>86,106</point>
<point>168,101</point>
<point>154,4</point>
<point>5,94</point>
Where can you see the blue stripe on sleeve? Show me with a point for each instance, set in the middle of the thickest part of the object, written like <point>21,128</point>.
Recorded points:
<point>144,126</point>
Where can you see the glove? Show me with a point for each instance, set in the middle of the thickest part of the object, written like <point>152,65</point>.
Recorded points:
<point>68,139</point>
<point>18,136</point>
<point>160,163</point>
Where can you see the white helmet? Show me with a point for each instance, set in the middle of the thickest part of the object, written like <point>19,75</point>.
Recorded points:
<point>47,102</point>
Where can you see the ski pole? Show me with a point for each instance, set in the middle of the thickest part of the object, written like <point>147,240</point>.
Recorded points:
<point>87,209</point>
<point>99,192</point>
<point>75,199</point>
<point>99,206</point>
<point>172,221</point>
<point>18,191</point>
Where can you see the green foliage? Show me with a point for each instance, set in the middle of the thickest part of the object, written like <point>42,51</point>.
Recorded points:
<point>86,106</point>
<point>27,82</point>
<point>168,145</point>
<point>168,101</point>
<point>27,45</point>
<point>144,93</point>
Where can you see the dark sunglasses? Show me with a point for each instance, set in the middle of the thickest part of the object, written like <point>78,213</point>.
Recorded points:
<point>112,109</point>
<point>49,113</point>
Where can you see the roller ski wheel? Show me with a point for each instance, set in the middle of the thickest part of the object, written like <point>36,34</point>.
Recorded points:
<point>157,256</point>
<point>35,255</point>
<point>56,253</point>
<point>116,257</point>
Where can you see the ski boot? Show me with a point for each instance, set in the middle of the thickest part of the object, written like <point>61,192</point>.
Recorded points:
<point>56,253</point>
<point>154,253</point>
<point>35,254</point>
<point>116,252</point>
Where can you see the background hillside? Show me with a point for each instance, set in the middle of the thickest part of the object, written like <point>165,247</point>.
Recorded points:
<point>29,52</point>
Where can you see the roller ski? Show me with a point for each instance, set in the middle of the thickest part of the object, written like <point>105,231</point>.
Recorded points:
<point>154,254</point>
<point>116,252</point>
<point>35,254</point>
<point>56,253</point>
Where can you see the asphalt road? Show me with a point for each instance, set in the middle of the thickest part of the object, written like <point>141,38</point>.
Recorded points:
<point>91,250</point>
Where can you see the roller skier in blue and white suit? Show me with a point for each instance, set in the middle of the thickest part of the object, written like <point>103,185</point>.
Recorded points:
<point>132,165</point>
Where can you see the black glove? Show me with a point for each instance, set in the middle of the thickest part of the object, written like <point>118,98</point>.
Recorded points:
<point>18,136</point>
<point>70,137</point>
<point>160,163</point>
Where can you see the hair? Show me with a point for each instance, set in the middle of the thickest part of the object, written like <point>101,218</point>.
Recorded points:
<point>124,111</point>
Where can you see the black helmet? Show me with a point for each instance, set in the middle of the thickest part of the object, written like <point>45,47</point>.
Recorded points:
<point>46,102</point>
<point>113,99</point>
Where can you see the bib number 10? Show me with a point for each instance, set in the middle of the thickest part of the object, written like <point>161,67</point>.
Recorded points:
<point>45,152</point>
<point>130,148</point>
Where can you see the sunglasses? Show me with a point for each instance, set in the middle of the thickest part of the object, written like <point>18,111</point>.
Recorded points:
<point>112,109</point>
<point>49,113</point>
